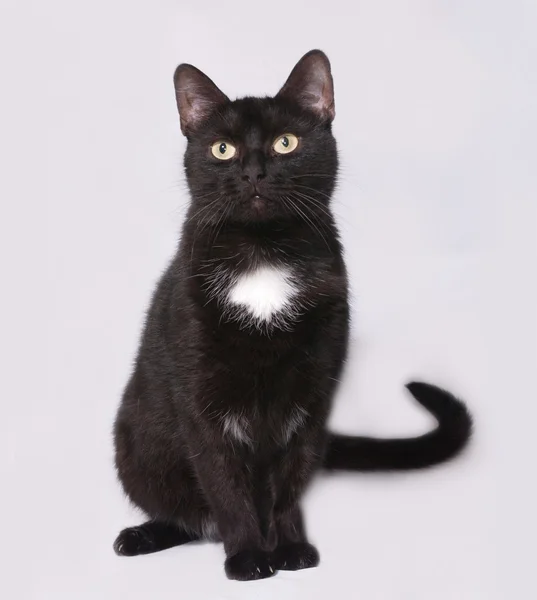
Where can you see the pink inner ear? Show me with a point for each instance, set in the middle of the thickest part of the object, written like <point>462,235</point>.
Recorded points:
<point>200,108</point>
<point>197,97</point>
<point>310,84</point>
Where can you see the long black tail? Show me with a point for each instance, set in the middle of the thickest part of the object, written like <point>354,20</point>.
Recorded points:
<point>372,454</point>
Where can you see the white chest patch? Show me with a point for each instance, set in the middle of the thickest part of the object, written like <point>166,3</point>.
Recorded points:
<point>264,293</point>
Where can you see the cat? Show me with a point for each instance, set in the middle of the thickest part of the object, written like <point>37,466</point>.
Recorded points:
<point>222,424</point>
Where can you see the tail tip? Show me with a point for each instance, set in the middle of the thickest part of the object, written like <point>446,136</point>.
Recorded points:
<point>418,387</point>
<point>452,413</point>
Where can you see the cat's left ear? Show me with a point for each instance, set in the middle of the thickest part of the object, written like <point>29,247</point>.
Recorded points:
<point>197,97</point>
<point>311,86</point>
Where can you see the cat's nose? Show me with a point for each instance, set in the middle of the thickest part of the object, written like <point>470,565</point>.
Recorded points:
<point>253,172</point>
<point>253,176</point>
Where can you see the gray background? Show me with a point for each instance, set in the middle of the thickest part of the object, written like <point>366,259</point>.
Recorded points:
<point>436,123</point>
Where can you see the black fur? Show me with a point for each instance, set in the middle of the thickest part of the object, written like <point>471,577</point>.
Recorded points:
<point>222,424</point>
<point>446,441</point>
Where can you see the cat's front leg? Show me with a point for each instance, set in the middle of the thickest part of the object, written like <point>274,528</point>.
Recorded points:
<point>298,465</point>
<point>225,475</point>
<point>306,447</point>
<point>293,552</point>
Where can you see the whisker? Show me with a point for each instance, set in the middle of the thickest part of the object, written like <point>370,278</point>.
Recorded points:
<point>307,219</point>
<point>221,222</point>
<point>307,187</point>
<point>201,227</point>
<point>342,175</point>
<point>202,209</point>
<point>314,216</point>
<point>334,199</point>
<point>302,175</point>
<point>196,197</point>
<point>317,203</point>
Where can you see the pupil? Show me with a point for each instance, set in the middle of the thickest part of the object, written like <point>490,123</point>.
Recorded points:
<point>222,148</point>
<point>285,141</point>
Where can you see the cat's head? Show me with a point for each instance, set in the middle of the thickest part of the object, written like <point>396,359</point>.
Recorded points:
<point>260,159</point>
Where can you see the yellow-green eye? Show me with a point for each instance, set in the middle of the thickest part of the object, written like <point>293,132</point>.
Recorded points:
<point>285,143</point>
<point>223,150</point>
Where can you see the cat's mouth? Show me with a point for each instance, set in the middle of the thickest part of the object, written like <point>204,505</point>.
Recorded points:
<point>257,206</point>
<point>258,202</point>
<point>256,195</point>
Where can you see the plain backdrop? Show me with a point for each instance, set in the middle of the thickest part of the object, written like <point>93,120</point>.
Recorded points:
<point>436,107</point>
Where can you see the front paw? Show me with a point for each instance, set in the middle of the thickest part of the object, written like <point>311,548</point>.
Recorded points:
<point>134,540</point>
<point>293,557</point>
<point>249,565</point>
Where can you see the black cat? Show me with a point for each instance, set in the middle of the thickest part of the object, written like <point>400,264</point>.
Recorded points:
<point>223,422</point>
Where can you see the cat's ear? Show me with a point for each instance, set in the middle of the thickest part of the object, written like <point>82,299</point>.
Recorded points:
<point>310,85</point>
<point>197,97</point>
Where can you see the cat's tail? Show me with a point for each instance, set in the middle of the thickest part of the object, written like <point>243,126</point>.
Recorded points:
<point>376,454</point>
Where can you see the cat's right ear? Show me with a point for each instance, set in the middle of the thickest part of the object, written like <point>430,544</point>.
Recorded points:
<point>197,97</point>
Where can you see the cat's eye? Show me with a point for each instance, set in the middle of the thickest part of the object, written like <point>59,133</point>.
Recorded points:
<point>223,150</point>
<point>285,144</point>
